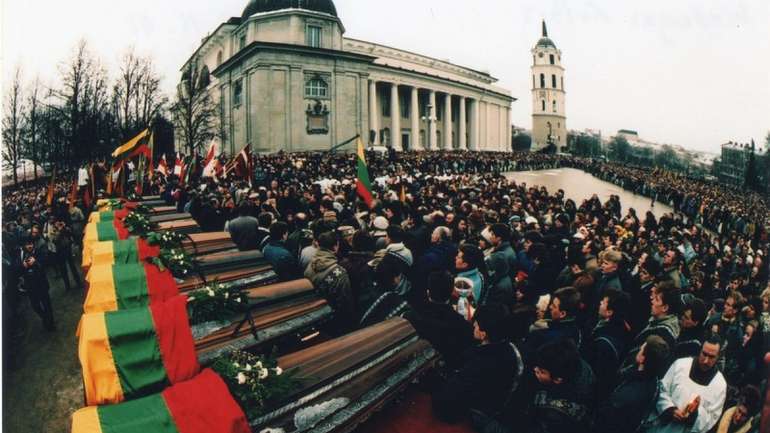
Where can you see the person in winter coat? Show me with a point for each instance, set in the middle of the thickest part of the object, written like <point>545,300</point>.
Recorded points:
<point>665,304</point>
<point>439,323</point>
<point>283,262</point>
<point>693,332</point>
<point>628,405</point>
<point>440,256</point>
<point>331,280</point>
<point>605,349</point>
<point>490,371</point>
<point>562,323</point>
<point>469,263</point>
<point>31,262</point>
<point>501,264</point>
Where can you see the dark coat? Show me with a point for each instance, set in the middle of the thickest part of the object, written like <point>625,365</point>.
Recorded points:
<point>439,257</point>
<point>628,404</point>
<point>557,330</point>
<point>445,329</point>
<point>501,264</point>
<point>283,262</point>
<point>604,351</point>
<point>484,382</point>
<point>244,232</point>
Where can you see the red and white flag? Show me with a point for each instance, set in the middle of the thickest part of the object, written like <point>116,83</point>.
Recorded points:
<point>210,162</point>
<point>178,165</point>
<point>162,167</point>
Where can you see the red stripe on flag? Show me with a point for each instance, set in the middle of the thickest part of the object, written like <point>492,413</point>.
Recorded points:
<point>204,405</point>
<point>145,250</point>
<point>177,348</point>
<point>365,194</point>
<point>160,284</point>
<point>121,229</point>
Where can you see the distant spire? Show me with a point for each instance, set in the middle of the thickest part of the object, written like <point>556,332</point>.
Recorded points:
<point>545,30</point>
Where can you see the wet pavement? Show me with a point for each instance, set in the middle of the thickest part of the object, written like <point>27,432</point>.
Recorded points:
<point>580,186</point>
<point>42,384</point>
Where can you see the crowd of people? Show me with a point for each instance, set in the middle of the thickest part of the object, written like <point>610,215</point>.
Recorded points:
<point>551,313</point>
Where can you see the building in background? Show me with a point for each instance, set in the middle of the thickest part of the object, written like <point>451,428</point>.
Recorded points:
<point>286,78</point>
<point>549,115</point>
<point>733,165</point>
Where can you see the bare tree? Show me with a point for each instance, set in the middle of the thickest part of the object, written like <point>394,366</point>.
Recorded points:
<point>137,98</point>
<point>13,125</point>
<point>85,97</point>
<point>195,115</point>
<point>34,120</point>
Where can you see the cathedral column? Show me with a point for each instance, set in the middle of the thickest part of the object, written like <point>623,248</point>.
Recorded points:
<point>415,111</point>
<point>374,115</point>
<point>432,145</point>
<point>395,117</point>
<point>461,130</point>
<point>474,127</point>
<point>448,122</point>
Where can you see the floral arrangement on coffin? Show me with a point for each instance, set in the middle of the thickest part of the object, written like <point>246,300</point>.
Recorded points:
<point>138,224</point>
<point>178,261</point>
<point>166,239</point>
<point>115,204</point>
<point>256,382</point>
<point>215,302</point>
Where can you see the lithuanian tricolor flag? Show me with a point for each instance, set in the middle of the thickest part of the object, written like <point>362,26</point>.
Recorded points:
<point>102,231</point>
<point>127,285</point>
<point>201,405</point>
<point>363,185</point>
<point>133,353</point>
<point>131,145</point>
<point>132,250</point>
<point>108,215</point>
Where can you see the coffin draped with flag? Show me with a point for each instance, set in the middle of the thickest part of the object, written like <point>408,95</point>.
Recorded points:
<point>132,353</point>
<point>127,285</point>
<point>201,405</point>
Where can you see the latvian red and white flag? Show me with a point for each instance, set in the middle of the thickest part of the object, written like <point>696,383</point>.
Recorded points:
<point>210,162</point>
<point>162,166</point>
<point>178,165</point>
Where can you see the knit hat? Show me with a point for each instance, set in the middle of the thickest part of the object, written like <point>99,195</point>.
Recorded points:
<point>380,224</point>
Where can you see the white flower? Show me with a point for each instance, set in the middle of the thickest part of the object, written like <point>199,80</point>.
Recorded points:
<point>211,293</point>
<point>248,367</point>
<point>263,373</point>
<point>236,365</point>
<point>191,298</point>
<point>241,378</point>
<point>258,365</point>
<point>238,299</point>
<point>227,295</point>
<point>278,371</point>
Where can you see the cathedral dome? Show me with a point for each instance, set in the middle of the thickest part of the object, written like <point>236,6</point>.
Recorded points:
<point>258,6</point>
<point>546,42</point>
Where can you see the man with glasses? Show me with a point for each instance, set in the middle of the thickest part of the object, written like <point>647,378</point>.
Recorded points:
<point>692,393</point>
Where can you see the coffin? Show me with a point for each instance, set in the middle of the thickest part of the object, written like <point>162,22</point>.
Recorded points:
<point>172,215</point>
<point>346,380</point>
<point>181,226</point>
<point>128,354</point>
<point>209,242</point>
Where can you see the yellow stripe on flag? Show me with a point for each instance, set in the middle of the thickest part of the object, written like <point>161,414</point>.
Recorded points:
<point>90,237</point>
<point>101,290</point>
<point>130,144</point>
<point>102,253</point>
<point>360,152</point>
<point>103,204</point>
<point>86,420</point>
<point>94,218</point>
<point>100,377</point>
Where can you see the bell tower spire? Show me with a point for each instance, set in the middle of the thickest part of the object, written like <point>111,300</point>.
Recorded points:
<point>545,30</point>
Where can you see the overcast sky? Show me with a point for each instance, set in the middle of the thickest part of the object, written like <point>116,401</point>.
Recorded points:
<point>684,72</point>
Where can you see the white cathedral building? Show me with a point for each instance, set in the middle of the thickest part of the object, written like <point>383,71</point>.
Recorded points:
<point>549,116</point>
<point>287,79</point>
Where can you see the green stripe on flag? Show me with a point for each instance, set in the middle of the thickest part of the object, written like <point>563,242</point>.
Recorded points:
<point>130,285</point>
<point>136,352</point>
<point>147,415</point>
<point>106,231</point>
<point>363,175</point>
<point>107,215</point>
<point>125,251</point>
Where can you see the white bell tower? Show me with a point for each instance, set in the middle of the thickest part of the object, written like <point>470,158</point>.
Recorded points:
<point>549,116</point>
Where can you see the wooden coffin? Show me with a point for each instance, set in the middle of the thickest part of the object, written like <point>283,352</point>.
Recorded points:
<point>209,242</point>
<point>345,380</point>
<point>277,311</point>
<point>181,226</point>
<point>252,276</point>
<point>231,260</point>
<point>156,217</point>
<point>162,209</point>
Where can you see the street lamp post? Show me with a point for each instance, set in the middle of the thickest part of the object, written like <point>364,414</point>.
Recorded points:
<point>429,119</point>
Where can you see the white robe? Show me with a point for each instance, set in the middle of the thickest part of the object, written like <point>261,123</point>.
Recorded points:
<point>678,390</point>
